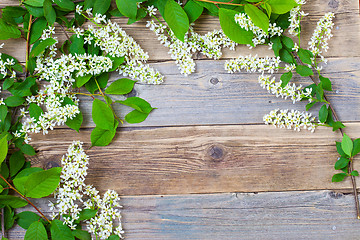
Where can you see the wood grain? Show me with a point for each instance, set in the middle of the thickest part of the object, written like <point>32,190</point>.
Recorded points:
<point>346,33</point>
<point>323,215</point>
<point>204,159</point>
<point>212,96</point>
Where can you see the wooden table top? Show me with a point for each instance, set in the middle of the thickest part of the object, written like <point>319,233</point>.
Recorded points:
<point>204,166</point>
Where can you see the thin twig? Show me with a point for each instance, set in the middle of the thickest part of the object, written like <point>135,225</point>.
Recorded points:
<point>66,34</point>
<point>351,167</point>
<point>25,198</point>
<point>28,47</point>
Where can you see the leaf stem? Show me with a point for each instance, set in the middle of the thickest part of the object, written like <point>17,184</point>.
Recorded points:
<point>351,166</point>
<point>28,46</point>
<point>25,198</point>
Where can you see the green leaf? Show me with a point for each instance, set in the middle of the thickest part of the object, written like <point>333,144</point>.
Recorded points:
<point>42,184</point>
<point>36,231</point>
<point>37,29</point>
<point>82,235</point>
<point>354,173</point>
<point>341,163</point>
<point>35,111</point>
<point>102,115</point>
<point>16,162</point>
<point>22,177</point>
<point>59,231</point>
<point>8,31</point>
<point>288,42</point>
<point>35,3</point>
<point>114,237</point>
<point>347,145</point>
<point>276,45</point>
<point>76,122</point>
<point>86,214</point>
<point>102,137</point>
<point>49,12</point>
<point>127,7</point>
<point>65,4</point>
<point>193,10</point>
<point>339,149</point>
<point>232,29</point>
<point>137,103</point>
<point>26,218</point>
<point>286,56</point>
<point>3,148</point>
<point>14,101</point>
<point>102,79</point>
<point>136,116</point>
<point>338,177</point>
<point>257,16</point>
<point>285,78</point>
<point>8,83</point>
<point>77,45</point>
<point>101,6</point>
<point>3,112</point>
<point>304,56</point>
<point>12,201</point>
<point>356,148</point>
<point>267,8</point>
<point>1,188</point>
<point>28,150</point>
<point>120,86</point>
<point>176,18</point>
<point>326,83</point>
<point>323,113</point>
<point>117,61</point>
<point>36,51</point>
<point>304,71</point>
<point>81,80</point>
<point>281,6</point>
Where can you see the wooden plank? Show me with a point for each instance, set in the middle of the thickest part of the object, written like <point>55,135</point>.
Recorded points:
<point>346,32</point>
<point>323,215</point>
<point>212,96</point>
<point>204,159</point>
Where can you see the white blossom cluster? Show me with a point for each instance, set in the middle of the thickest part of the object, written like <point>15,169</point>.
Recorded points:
<point>291,91</point>
<point>210,44</point>
<point>290,119</point>
<point>60,73</point>
<point>260,35</point>
<point>321,36</point>
<point>72,191</point>
<point>296,15</point>
<point>113,40</point>
<point>4,70</point>
<point>253,64</point>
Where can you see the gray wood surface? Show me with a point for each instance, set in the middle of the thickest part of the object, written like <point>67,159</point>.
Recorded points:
<point>204,159</point>
<point>213,96</point>
<point>322,215</point>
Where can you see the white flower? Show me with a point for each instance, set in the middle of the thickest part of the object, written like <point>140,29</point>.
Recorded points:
<point>151,10</point>
<point>79,9</point>
<point>290,119</point>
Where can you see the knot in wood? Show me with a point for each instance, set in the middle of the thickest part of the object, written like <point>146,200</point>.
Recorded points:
<point>333,4</point>
<point>51,164</point>
<point>214,81</point>
<point>216,152</point>
<point>336,195</point>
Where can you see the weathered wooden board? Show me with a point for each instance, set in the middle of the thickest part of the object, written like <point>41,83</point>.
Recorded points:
<point>204,159</point>
<point>322,215</point>
<point>213,96</point>
<point>346,33</point>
